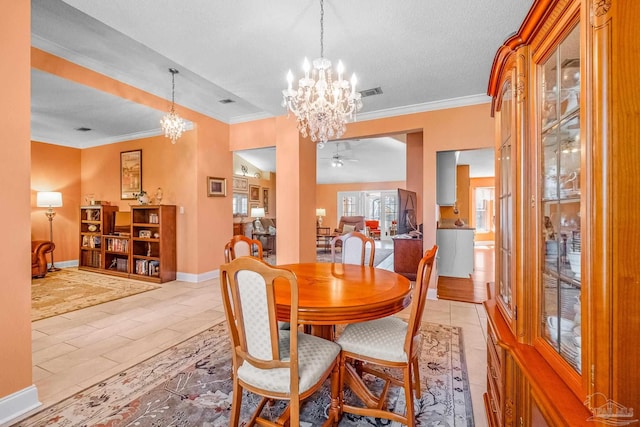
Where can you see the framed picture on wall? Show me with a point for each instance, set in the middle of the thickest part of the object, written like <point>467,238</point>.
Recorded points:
<point>254,193</point>
<point>130,174</point>
<point>265,199</point>
<point>216,187</point>
<point>240,183</point>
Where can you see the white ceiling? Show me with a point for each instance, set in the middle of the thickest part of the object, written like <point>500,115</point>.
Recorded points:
<point>423,55</point>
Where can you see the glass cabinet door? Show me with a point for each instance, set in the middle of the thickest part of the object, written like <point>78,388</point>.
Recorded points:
<point>504,256</point>
<point>561,199</point>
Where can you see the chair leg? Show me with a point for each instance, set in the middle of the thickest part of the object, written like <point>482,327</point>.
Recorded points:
<point>336,393</point>
<point>416,375</point>
<point>294,406</point>
<point>236,403</point>
<point>408,391</point>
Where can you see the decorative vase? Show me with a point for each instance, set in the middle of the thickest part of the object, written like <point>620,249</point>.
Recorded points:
<point>143,198</point>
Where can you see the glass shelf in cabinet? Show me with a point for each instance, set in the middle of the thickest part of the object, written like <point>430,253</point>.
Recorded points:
<point>565,274</point>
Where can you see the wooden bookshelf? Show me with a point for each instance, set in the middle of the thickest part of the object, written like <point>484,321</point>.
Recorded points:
<point>94,221</point>
<point>153,242</point>
<point>146,252</point>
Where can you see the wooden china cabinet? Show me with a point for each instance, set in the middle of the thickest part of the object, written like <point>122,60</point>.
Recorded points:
<point>564,314</point>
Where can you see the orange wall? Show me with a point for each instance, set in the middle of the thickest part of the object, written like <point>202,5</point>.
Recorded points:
<point>15,263</point>
<point>415,171</point>
<point>459,128</point>
<point>56,168</point>
<point>164,165</point>
<point>327,196</point>
<point>183,166</point>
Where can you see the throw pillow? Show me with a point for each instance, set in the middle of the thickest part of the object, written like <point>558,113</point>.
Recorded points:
<point>272,230</point>
<point>348,228</point>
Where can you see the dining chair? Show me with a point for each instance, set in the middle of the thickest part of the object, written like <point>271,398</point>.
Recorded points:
<point>354,248</point>
<point>241,245</point>
<point>275,364</point>
<point>385,343</point>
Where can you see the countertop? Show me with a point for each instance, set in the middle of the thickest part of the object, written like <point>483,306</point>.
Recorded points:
<point>453,227</point>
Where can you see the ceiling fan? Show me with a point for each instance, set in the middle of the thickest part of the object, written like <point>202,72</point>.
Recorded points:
<point>338,160</point>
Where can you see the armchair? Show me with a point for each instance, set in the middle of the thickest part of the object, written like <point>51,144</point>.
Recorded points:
<point>352,223</point>
<point>373,228</point>
<point>39,250</point>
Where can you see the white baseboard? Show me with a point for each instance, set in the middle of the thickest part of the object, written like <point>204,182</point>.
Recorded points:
<point>197,278</point>
<point>183,277</point>
<point>65,264</point>
<point>18,403</point>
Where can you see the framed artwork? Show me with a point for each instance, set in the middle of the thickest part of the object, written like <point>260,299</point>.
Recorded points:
<point>240,183</point>
<point>216,187</point>
<point>130,174</point>
<point>254,193</point>
<point>265,199</point>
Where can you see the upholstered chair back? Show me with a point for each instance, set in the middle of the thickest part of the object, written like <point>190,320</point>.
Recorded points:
<point>242,246</point>
<point>357,249</point>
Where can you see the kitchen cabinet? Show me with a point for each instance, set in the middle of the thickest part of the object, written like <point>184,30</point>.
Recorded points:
<point>455,251</point>
<point>446,178</point>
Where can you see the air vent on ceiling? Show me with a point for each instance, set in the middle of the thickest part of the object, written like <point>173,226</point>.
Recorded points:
<point>83,129</point>
<point>226,101</point>
<point>371,92</point>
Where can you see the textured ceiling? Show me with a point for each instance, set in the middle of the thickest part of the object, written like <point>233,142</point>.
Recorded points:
<point>423,54</point>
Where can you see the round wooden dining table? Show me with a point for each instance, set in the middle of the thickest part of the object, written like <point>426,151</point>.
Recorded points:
<point>332,293</point>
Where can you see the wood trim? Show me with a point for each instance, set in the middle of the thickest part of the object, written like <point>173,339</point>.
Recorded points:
<point>560,406</point>
<point>521,37</point>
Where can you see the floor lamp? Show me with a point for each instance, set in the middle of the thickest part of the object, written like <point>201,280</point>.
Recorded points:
<point>50,200</point>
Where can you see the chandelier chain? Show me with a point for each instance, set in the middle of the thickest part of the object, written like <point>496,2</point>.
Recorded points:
<point>321,28</point>
<point>173,90</point>
<point>324,101</point>
<point>172,124</point>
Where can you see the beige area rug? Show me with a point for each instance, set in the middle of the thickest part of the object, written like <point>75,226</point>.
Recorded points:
<point>190,385</point>
<point>70,289</point>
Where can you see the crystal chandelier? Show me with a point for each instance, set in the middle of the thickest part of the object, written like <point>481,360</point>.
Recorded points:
<point>172,124</point>
<point>322,105</point>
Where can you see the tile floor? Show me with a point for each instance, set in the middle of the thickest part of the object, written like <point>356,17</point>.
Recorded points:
<point>78,349</point>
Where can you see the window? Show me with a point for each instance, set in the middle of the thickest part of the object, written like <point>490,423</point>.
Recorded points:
<point>350,205</point>
<point>484,199</point>
<point>240,204</point>
<point>376,204</point>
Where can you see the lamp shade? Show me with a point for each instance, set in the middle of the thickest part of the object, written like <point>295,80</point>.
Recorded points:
<point>49,199</point>
<point>321,212</point>
<point>257,212</point>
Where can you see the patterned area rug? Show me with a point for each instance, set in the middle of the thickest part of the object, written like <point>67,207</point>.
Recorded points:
<point>69,289</point>
<point>190,385</point>
<point>381,255</point>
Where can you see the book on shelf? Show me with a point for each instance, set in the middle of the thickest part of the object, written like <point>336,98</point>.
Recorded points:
<point>117,245</point>
<point>147,267</point>
<point>91,259</point>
